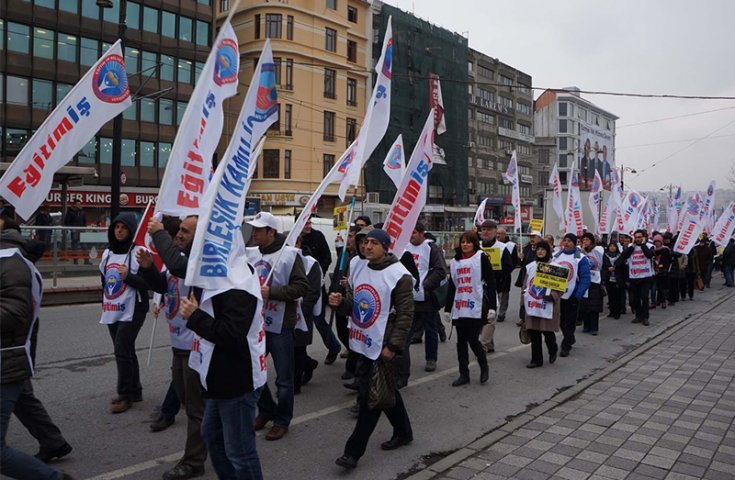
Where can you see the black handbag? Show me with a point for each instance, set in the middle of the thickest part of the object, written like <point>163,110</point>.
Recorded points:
<point>382,385</point>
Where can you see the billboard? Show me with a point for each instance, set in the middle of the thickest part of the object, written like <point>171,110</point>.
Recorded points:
<point>597,148</point>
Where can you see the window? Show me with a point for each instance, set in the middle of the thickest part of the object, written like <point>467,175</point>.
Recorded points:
<point>523,88</point>
<point>150,19</point>
<point>71,7</point>
<point>485,141</point>
<point>289,27</point>
<point>180,110</point>
<point>198,69</point>
<point>42,94</point>
<point>127,152</point>
<point>287,164</point>
<point>271,161</point>
<point>66,47</point>
<point>273,22</point>
<point>332,4</point>
<point>470,67</point>
<point>277,68</point>
<point>168,24</point>
<point>88,51</point>
<point>484,71</point>
<point>563,143</point>
<point>149,65</point>
<point>596,119</point>
<point>486,95</point>
<point>17,90</point>
<point>256,25</point>
<point>436,191</point>
<point>524,150</point>
<point>276,126</point>
<point>164,151</point>
<point>329,126</point>
<point>88,153</point>
<point>147,154</point>
<point>351,51</point>
<point>351,131</point>
<point>562,109</point>
<point>485,117</point>
<point>105,150</point>
<point>562,160</point>
<point>523,108</point>
<point>506,102</point>
<point>111,14</point>
<point>352,14</point>
<point>147,110</point>
<point>165,111</point>
<point>18,38</point>
<point>330,81</point>
<point>504,144</point>
<point>582,113</point>
<point>62,89</point>
<point>288,113</point>
<point>563,126</point>
<point>15,140</point>
<point>132,60</point>
<point>327,164</point>
<point>542,178</point>
<point>43,43</point>
<point>505,80</point>
<point>289,74</point>
<point>330,39</point>
<point>90,9</point>
<point>167,68</point>
<point>202,33</point>
<point>132,15</point>
<point>524,129</point>
<point>185,29</point>
<point>505,123</point>
<point>352,92</point>
<point>469,164</point>
<point>131,113</point>
<point>184,67</point>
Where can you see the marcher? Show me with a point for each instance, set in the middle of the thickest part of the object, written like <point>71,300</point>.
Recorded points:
<point>591,306</point>
<point>75,217</point>
<point>380,297</point>
<point>287,284</point>
<point>311,307</point>
<point>639,258</point>
<point>705,251</point>
<point>170,283</point>
<point>317,244</point>
<point>676,270</point>
<point>542,310</point>
<point>692,271</point>
<point>471,299</point>
<point>339,279</point>
<point>502,282</point>
<point>578,282</point>
<point>661,267</point>
<point>728,263</point>
<point>124,307</point>
<point>615,282</point>
<point>43,219</point>
<point>510,246</point>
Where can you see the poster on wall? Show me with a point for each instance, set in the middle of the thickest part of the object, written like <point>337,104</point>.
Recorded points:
<point>596,146</point>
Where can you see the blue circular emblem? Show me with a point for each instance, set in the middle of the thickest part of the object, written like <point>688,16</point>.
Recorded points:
<point>226,62</point>
<point>110,80</point>
<point>394,161</point>
<point>536,292</point>
<point>114,284</point>
<point>262,268</point>
<point>366,306</point>
<point>172,298</point>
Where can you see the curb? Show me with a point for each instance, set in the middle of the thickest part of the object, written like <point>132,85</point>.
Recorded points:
<point>508,428</point>
<point>60,296</point>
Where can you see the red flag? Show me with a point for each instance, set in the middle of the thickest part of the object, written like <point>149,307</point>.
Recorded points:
<point>143,239</point>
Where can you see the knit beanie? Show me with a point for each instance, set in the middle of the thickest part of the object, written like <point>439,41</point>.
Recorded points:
<point>381,236</point>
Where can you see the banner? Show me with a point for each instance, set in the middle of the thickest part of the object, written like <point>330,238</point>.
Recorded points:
<point>511,175</point>
<point>656,214</point>
<point>100,95</point>
<point>551,276</point>
<point>494,254</point>
<point>690,206</point>
<point>630,210</point>
<point>557,201</point>
<point>597,155</point>
<point>709,202</point>
<point>411,195</point>
<point>691,228</point>
<point>672,216</point>
<point>190,163</point>
<point>480,214</point>
<point>394,164</point>
<point>377,117</point>
<point>218,251</point>
<point>143,239</point>
<point>574,206</point>
<point>437,103</point>
<point>536,224</point>
<point>595,199</point>
<point>725,226</point>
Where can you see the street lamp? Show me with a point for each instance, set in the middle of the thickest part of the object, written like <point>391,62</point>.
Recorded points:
<point>670,186</point>
<point>622,172</point>
<point>117,122</point>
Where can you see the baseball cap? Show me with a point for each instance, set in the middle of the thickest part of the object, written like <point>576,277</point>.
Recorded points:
<point>264,219</point>
<point>536,233</point>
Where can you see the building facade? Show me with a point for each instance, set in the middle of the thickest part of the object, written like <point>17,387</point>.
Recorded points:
<point>584,134</point>
<point>500,115</point>
<point>322,52</point>
<point>47,45</point>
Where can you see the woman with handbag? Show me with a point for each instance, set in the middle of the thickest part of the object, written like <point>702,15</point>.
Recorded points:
<point>471,300</point>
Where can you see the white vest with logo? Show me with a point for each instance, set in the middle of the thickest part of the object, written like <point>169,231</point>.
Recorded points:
<point>309,263</point>
<point>354,263</point>
<point>533,296</point>
<point>273,311</point>
<point>510,246</point>
<point>595,257</point>
<point>570,261</point>
<point>371,306</point>
<point>181,337</point>
<point>467,277</point>
<point>638,265</point>
<point>421,256</point>
<point>118,298</point>
<point>36,296</point>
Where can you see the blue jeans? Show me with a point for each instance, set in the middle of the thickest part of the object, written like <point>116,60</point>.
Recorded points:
<point>328,336</point>
<point>280,347</point>
<point>429,321</point>
<point>228,429</point>
<point>729,271</point>
<point>14,463</point>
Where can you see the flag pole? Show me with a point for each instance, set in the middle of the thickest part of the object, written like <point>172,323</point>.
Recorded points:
<point>340,267</point>
<point>150,346</point>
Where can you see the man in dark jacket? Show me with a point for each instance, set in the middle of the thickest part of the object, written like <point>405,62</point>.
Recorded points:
<point>705,251</point>
<point>75,217</point>
<point>379,310</point>
<point>316,243</point>
<point>728,263</point>
<point>488,231</point>
<point>579,281</point>
<point>639,258</point>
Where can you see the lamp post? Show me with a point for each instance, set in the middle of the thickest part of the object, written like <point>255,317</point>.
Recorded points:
<point>117,122</point>
<point>622,172</point>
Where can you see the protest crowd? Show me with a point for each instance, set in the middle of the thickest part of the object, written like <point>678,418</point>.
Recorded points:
<point>235,305</point>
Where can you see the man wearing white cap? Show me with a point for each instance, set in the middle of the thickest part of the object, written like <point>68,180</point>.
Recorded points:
<point>287,283</point>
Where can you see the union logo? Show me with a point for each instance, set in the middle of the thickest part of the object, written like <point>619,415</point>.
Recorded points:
<point>267,101</point>
<point>110,80</point>
<point>388,59</point>
<point>568,265</point>
<point>534,291</point>
<point>173,298</point>
<point>262,268</point>
<point>226,62</point>
<point>394,160</point>
<point>114,284</point>
<point>366,306</point>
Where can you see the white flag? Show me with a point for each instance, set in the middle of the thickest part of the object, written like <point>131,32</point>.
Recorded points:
<point>394,164</point>
<point>436,101</point>
<point>691,227</point>
<point>480,214</point>
<point>557,201</point>
<point>511,175</point>
<point>672,216</point>
<point>709,202</point>
<point>377,116</point>
<point>725,226</point>
<point>594,201</point>
<point>574,204</point>
<point>190,163</point>
<point>630,210</point>
<point>411,195</point>
<point>101,94</point>
<point>608,216</point>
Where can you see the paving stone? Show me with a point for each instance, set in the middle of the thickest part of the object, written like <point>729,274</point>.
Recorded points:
<point>583,465</point>
<point>651,471</point>
<point>689,469</point>
<point>657,461</point>
<point>528,474</point>
<point>698,451</point>
<point>694,459</point>
<point>516,460</point>
<point>612,472</point>
<point>565,450</point>
<point>572,474</point>
<point>576,442</point>
<point>500,468</point>
<point>555,458</point>
<point>543,466</point>
<point>717,475</point>
<point>461,473</point>
<point>591,456</point>
<point>475,463</point>
<point>621,463</point>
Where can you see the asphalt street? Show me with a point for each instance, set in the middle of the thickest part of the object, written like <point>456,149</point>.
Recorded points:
<point>76,378</point>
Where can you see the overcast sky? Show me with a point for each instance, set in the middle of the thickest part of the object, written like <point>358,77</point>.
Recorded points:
<point>681,47</point>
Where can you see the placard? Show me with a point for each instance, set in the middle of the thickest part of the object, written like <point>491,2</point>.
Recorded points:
<point>340,218</point>
<point>536,224</point>
<point>551,276</point>
<point>494,255</point>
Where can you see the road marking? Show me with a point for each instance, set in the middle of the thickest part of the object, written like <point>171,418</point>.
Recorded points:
<point>123,472</point>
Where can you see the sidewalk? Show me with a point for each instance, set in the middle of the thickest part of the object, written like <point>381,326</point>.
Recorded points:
<point>663,411</point>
